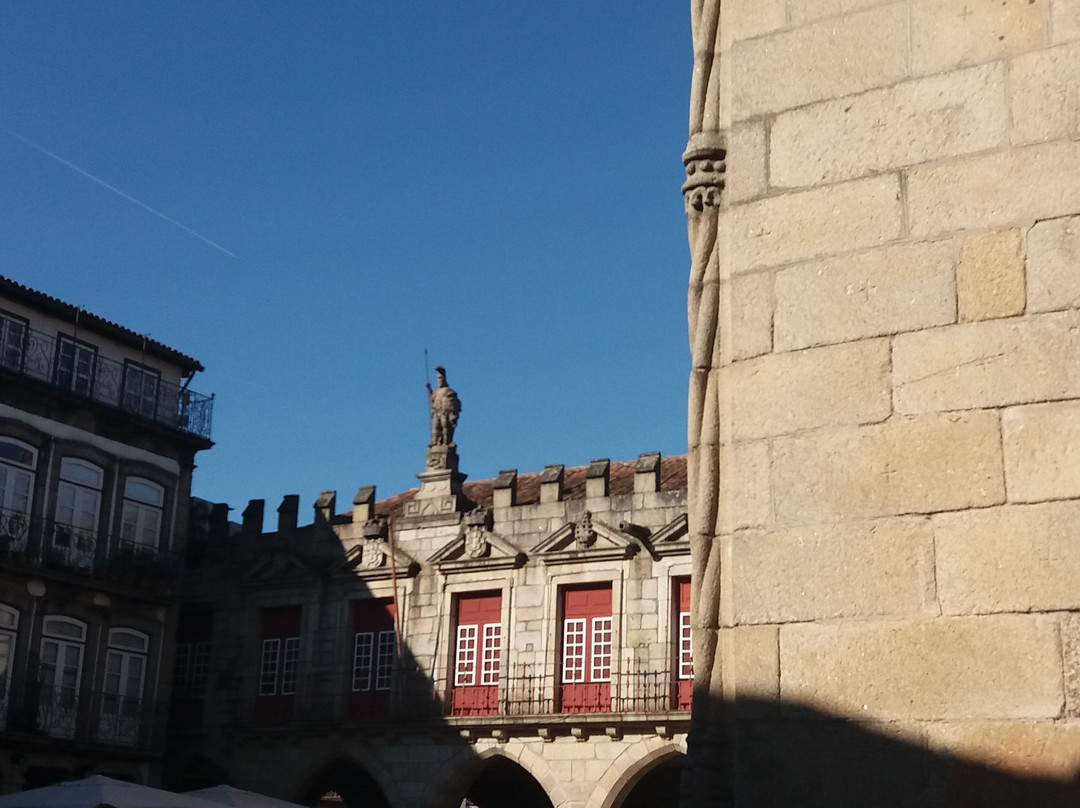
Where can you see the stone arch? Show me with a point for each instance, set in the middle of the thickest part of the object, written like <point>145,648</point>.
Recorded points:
<point>360,783</point>
<point>197,772</point>
<point>628,769</point>
<point>464,768</point>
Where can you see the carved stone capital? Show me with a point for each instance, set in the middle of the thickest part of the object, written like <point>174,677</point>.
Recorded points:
<point>704,158</point>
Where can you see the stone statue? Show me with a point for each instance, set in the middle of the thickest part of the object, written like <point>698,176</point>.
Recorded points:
<point>445,409</point>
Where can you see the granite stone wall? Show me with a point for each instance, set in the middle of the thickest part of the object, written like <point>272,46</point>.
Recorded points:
<point>885,402</point>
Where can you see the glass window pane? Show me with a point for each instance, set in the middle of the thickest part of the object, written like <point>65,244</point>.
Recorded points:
<point>144,491</point>
<point>76,471</point>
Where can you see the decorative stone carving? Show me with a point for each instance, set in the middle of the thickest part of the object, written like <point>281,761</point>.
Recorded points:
<point>445,409</point>
<point>584,535</point>
<point>704,159</point>
<point>376,532</point>
<point>476,533</point>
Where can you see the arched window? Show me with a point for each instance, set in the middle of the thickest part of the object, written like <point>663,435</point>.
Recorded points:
<point>78,506</point>
<point>17,464</point>
<point>62,642</point>
<point>125,672</point>
<point>143,504</point>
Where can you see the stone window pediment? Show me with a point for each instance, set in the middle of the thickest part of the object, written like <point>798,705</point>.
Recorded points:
<point>587,539</point>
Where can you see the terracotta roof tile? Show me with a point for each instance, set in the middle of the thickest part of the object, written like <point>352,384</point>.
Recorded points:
<point>620,481</point>
<point>57,307</point>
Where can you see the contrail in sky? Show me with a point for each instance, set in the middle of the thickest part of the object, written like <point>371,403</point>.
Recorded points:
<point>116,190</point>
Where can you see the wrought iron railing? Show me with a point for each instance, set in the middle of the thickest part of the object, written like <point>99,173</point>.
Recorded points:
<point>529,691</point>
<point>87,716</point>
<point>538,690</point>
<point>54,545</point>
<point>127,387</point>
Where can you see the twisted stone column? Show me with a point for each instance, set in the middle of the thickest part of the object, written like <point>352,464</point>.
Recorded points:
<point>704,160</point>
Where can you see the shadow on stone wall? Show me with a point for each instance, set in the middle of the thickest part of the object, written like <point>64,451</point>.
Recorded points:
<point>366,749</point>
<point>793,756</point>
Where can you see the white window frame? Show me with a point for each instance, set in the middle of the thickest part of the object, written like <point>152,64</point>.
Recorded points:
<point>138,510</point>
<point>61,634</point>
<point>268,666</point>
<point>126,661</point>
<point>78,509</point>
<point>491,649</point>
<point>13,345</point>
<point>600,640</point>
<point>17,498</point>
<point>573,650</point>
<point>76,379</point>
<point>141,386</point>
<point>363,661</point>
<point>686,648</point>
<point>465,657</point>
<point>385,653</point>
<point>290,665</point>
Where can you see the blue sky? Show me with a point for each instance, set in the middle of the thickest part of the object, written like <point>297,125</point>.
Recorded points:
<point>349,183</point>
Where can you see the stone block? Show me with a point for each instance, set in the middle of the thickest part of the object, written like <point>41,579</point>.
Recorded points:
<point>819,61</point>
<point>996,666</point>
<point>1040,750</point>
<point>994,363</point>
<point>1065,20</point>
<point>815,223</point>
<point>746,161</point>
<point>903,287</point>
<point>751,301</point>
<point>751,668</point>
<point>1044,94</point>
<point>1001,189</point>
<point>1070,652</point>
<point>1042,451</point>
<point>909,123</point>
<point>805,11</point>
<point>782,393</point>
<point>917,465</point>
<point>990,276</point>
<point>1017,558</point>
<point>950,33</point>
<point>751,498</point>
<point>853,569</point>
<point>1053,256</point>
<point>745,19</point>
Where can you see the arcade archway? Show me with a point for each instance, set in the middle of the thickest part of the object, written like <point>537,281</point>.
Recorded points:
<point>343,784</point>
<point>503,783</point>
<point>654,785</point>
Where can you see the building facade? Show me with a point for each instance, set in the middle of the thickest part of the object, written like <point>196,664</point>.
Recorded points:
<point>522,640</point>
<point>98,434</point>
<point>884,223</point>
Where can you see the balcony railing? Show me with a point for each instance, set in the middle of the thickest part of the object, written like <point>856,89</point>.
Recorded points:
<point>126,387</point>
<point>529,692</point>
<point>52,545</point>
<point>39,708</point>
<point>538,690</point>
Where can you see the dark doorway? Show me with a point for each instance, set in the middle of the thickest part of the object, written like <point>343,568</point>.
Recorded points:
<point>344,785</point>
<point>658,787</point>
<point>502,783</point>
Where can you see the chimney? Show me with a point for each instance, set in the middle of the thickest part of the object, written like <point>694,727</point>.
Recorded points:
<point>325,505</point>
<point>551,483</point>
<point>363,504</point>
<point>647,473</point>
<point>596,478</point>
<point>287,513</point>
<point>253,517</point>
<point>504,493</point>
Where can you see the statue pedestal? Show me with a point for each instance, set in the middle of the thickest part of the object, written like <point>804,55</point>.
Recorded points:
<point>440,491</point>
